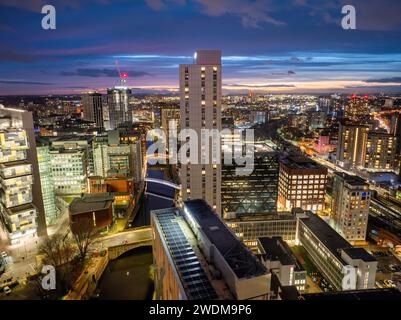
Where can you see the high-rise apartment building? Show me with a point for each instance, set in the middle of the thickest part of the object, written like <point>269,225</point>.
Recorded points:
<point>120,110</point>
<point>350,206</point>
<point>92,104</point>
<point>250,194</point>
<point>380,151</point>
<point>200,108</point>
<point>302,184</point>
<point>21,204</point>
<point>351,147</point>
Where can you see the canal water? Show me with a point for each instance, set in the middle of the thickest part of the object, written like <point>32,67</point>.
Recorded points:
<point>149,202</point>
<point>128,277</point>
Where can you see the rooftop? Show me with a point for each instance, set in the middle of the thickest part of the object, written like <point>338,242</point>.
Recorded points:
<point>300,162</point>
<point>359,253</point>
<point>276,249</point>
<point>326,234</point>
<point>88,203</point>
<point>241,260</point>
<point>352,180</point>
<point>194,279</point>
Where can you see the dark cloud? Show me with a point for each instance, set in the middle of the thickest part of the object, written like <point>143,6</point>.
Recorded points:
<point>26,82</point>
<point>385,80</point>
<point>288,73</point>
<point>7,55</point>
<point>103,72</point>
<point>252,13</point>
<point>260,85</point>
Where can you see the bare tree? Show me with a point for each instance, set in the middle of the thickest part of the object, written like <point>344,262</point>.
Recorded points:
<point>83,235</point>
<point>57,249</point>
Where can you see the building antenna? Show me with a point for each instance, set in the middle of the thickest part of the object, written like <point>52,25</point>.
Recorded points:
<point>123,75</point>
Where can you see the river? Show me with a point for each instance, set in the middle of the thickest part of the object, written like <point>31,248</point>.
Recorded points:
<point>149,203</point>
<point>127,277</point>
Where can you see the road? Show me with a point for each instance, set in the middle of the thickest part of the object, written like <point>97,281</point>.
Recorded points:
<point>18,267</point>
<point>126,236</point>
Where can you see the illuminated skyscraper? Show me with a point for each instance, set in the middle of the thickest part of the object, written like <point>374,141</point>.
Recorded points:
<point>350,206</point>
<point>380,151</point>
<point>351,145</point>
<point>93,108</point>
<point>120,110</point>
<point>200,108</point>
<point>21,204</point>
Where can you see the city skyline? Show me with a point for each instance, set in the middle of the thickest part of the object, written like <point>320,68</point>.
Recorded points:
<point>267,46</point>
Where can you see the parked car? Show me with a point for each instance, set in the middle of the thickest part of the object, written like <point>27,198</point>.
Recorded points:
<point>7,290</point>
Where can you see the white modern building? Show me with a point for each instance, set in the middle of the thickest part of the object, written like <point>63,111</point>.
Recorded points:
<point>21,204</point>
<point>200,108</point>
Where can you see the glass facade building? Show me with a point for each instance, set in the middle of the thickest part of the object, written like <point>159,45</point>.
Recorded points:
<point>46,180</point>
<point>254,193</point>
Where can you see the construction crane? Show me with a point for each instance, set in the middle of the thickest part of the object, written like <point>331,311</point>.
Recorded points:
<point>123,75</point>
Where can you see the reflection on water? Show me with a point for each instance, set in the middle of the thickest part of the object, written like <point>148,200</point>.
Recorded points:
<point>127,278</point>
<point>149,203</point>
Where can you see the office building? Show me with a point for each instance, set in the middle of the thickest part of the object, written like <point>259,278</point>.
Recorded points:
<point>120,111</point>
<point>350,206</point>
<point>197,257</point>
<point>380,152</point>
<point>331,253</point>
<point>302,184</point>
<point>69,171</point>
<point>278,258</point>
<point>351,147</point>
<point>92,104</point>
<point>21,204</point>
<point>249,228</point>
<point>112,158</point>
<point>253,193</point>
<point>73,142</point>
<point>200,108</point>
<point>46,181</point>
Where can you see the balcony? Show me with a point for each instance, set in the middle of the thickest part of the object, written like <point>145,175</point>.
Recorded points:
<point>13,140</point>
<point>15,169</point>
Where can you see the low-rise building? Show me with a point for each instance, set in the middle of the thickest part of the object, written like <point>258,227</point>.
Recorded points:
<point>331,253</point>
<point>94,211</point>
<point>277,257</point>
<point>198,257</point>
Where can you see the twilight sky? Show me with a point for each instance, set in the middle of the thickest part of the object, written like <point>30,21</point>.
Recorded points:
<point>268,45</point>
